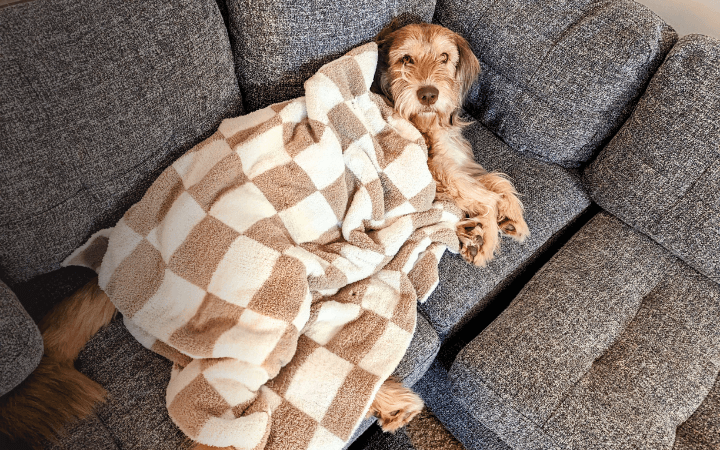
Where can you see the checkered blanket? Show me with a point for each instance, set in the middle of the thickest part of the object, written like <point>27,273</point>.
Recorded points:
<point>279,262</point>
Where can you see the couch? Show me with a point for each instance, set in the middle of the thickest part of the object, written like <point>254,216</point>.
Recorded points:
<point>600,331</point>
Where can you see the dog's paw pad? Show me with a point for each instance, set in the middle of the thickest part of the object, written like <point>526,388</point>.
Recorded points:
<point>516,229</point>
<point>472,243</point>
<point>473,250</point>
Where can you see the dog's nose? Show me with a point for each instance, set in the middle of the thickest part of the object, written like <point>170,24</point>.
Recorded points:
<point>427,95</point>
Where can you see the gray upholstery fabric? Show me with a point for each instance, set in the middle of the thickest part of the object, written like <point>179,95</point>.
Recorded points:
<point>87,434</point>
<point>553,199</point>
<point>389,441</point>
<point>98,97</point>
<point>702,430</point>
<point>278,44</point>
<point>21,345</point>
<point>661,173</point>
<point>136,378</point>
<point>559,78</point>
<point>613,344</point>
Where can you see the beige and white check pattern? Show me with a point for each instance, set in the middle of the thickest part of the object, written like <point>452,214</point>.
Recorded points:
<point>279,263</point>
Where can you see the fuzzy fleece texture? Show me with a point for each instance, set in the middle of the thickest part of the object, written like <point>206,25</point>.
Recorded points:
<point>278,264</point>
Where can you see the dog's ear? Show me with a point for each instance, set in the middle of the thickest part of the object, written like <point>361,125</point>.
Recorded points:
<point>384,40</point>
<point>468,67</point>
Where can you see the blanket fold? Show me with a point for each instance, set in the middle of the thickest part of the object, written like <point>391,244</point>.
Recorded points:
<point>279,262</point>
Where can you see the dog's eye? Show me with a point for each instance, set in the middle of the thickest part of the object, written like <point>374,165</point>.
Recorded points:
<point>444,58</point>
<point>407,59</point>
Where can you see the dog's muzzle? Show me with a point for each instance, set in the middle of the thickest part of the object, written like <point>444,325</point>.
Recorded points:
<point>427,95</point>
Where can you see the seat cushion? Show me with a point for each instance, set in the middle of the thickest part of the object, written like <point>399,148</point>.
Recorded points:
<point>661,173</point>
<point>98,97</point>
<point>135,414</point>
<point>279,44</point>
<point>558,78</point>
<point>21,345</point>
<point>553,198</point>
<point>612,344</point>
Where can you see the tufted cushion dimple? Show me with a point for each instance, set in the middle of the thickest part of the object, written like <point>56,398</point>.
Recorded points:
<point>98,97</point>
<point>558,78</point>
<point>661,172</point>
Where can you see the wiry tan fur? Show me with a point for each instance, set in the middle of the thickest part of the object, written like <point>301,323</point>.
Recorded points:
<point>56,393</point>
<point>395,405</point>
<point>425,57</point>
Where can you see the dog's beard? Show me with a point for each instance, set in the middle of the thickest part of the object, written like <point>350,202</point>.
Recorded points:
<point>404,95</point>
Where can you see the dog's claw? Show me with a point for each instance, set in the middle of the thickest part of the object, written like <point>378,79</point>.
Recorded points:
<point>473,251</point>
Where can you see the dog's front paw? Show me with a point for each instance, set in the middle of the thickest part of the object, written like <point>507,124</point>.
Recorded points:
<point>477,245</point>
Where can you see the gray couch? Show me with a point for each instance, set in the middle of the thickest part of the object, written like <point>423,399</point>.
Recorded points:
<point>608,125</point>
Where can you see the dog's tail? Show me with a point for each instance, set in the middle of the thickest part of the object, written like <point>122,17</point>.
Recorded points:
<point>56,393</point>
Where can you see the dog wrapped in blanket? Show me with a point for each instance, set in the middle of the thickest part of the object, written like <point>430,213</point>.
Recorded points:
<point>278,265</point>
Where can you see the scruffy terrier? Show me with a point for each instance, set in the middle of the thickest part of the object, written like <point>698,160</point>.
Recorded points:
<point>426,70</point>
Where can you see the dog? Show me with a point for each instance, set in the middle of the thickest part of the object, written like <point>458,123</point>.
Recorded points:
<point>425,71</point>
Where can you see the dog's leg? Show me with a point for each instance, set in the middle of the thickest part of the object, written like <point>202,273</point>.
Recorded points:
<point>395,405</point>
<point>56,393</point>
<point>510,209</point>
<point>458,177</point>
<point>69,325</point>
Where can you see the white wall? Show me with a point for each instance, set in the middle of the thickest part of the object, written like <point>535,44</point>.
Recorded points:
<point>689,16</point>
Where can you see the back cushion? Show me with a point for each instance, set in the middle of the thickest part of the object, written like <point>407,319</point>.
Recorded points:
<point>558,78</point>
<point>97,98</point>
<point>661,173</point>
<point>278,44</point>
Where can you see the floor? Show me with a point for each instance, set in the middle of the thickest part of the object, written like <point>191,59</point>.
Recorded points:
<point>689,16</point>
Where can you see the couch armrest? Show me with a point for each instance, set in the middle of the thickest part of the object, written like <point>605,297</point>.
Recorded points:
<point>21,345</point>
<point>661,172</point>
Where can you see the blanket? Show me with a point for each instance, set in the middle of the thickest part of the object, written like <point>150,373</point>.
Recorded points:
<point>279,263</point>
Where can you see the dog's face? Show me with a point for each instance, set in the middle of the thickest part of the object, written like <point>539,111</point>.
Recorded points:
<point>426,70</point>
